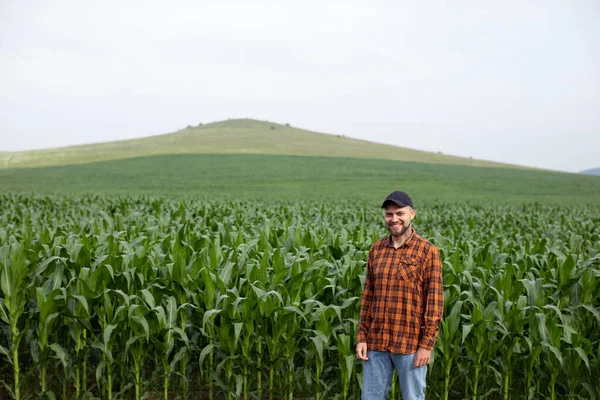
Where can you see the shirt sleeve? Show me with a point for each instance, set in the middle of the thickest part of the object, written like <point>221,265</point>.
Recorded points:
<point>364,322</point>
<point>433,291</point>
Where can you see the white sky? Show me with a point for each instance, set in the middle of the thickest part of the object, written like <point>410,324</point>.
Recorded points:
<point>511,81</point>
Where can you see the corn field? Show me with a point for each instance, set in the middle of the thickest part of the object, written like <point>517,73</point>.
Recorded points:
<point>110,297</point>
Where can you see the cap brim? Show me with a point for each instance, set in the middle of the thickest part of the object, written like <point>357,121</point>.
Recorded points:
<point>398,203</point>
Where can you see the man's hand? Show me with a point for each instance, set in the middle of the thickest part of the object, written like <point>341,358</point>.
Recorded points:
<point>422,357</point>
<point>361,351</point>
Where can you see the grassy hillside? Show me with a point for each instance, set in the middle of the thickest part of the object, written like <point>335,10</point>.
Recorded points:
<point>244,136</point>
<point>298,177</point>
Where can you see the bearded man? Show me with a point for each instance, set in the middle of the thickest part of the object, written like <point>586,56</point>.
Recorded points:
<point>402,306</point>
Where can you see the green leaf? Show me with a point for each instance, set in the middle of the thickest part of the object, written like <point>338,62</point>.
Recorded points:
<point>124,296</point>
<point>130,342</point>
<point>318,342</point>
<point>8,389</point>
<point>205,351</point>
<point>237,329</point>
<point>148,298</point>
<point>100,371</point>
<point>83,301</point>
<point>110,270</point>
<point>140,319</point>
<point>161,317</point>
<point>107,334</point>
<point>225,273</point>
<point>4,350</point>
<point>177,357</point>
<point>44,265</point>
<point>239,380</point>
<point>592,310</point>
<point>61,354</point>
<point>554,351</point>
<point>583,356</point>
<point>207,316</point>
<point>349,301</point>
<point>350,361</point>
<point>171,312</point>
<point>48,322</point>
<point>465,331</point>
<point>5,283</point>
<point>3,315</point>
<point>454,318</point>
<point>181,334</point>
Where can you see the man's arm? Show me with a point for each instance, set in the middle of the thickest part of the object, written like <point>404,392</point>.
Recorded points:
<point>433,292</point>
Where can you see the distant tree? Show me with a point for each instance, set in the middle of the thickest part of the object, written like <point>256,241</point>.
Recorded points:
<point>272,127</point>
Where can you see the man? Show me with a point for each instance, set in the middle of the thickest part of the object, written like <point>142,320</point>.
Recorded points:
<point>402,305</point>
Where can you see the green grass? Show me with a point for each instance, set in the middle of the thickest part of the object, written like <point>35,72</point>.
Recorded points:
<point>298,177</point>
<point>244,136</point>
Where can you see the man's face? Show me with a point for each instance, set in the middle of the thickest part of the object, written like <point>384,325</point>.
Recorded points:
<point>398,219</point>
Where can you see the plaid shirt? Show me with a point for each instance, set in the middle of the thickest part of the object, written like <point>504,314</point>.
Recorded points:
<point>403,298</point>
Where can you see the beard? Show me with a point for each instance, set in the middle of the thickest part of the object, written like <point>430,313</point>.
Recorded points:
<point>402,231</point>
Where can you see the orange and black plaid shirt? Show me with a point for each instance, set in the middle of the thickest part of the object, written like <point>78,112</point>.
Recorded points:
<point>403,298</point>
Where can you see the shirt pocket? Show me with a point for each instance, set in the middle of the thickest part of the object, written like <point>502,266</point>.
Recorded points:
<point>409,270</point>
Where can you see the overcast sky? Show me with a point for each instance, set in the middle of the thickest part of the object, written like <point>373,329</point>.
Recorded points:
<point>511,81</point>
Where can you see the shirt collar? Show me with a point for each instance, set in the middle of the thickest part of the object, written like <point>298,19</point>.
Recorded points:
<point>407,242</point>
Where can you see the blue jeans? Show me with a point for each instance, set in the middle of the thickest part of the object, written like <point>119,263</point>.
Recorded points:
<point>378,372</point>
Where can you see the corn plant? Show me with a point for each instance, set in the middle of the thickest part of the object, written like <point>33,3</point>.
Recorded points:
<point>15,283</point>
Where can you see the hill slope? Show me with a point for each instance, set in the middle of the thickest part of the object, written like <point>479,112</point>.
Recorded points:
<point>296,178</point>
<point>243,136</point>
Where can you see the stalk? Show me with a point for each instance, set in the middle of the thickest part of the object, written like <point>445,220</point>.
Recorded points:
<point>43,377</point>
<point>317,384</point>
<point>77,382</point>
<point>271,383</point>
<point>166,387</point>
<point>166,379</point>
<point>84,377</point>
<point>137,381</point>
<point>475,383</point>
<point>77,367</point>
<point>64,396</point>
<point>209,377</point>
<point>122,379</point>
<point>229,383</point>
<point>259,361</point>
<point>291,382</point>
<point>553,378</point>
<point>507,358</point>
<point>183,362</point>
<point>245,380</point>
<point>109,379</point>
<point>446,381</point>
<point>15,358</point>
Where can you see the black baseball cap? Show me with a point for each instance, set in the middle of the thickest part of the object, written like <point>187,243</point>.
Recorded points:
<point>399,198</point>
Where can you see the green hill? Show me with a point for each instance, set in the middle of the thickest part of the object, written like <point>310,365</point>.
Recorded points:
<point>274,177</point>
<point>242,136</point>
